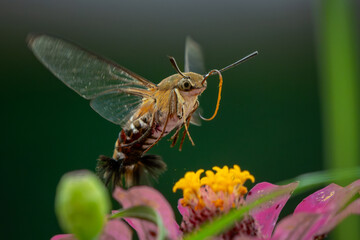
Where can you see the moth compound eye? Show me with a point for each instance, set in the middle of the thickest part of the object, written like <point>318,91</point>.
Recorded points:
<point>185,85</point>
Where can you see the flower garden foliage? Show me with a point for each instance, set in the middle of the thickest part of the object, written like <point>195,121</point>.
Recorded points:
<point>206,201</point>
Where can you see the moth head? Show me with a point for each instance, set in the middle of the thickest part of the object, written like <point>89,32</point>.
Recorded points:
<point>188,81</point>
<point>191,81</point>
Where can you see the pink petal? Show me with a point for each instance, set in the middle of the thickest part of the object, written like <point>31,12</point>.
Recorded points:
<point>267,214</point>
<point>295,226</point>
<point>184,211</point>
<point>116,230</point>
<point>328,202</point>
<point>143,195</point>
<point>63,237</point>
<point>245,238</point>
<point>320,201</point>
<point>353,208</point>
<point>330,198</point>
<point>321,209</point>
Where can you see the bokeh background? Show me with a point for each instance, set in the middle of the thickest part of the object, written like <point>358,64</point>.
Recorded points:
<point>277,116</point>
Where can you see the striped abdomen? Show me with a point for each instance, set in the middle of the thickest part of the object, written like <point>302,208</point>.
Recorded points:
<point>129,161</point>
<point>136,137</point>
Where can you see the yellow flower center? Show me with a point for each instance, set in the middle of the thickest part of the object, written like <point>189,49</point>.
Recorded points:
<point>225,180</point>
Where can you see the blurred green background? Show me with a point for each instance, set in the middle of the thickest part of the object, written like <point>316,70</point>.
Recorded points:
<point>273,116</point>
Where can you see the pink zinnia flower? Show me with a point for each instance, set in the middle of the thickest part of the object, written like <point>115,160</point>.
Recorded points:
<point>220,191</point>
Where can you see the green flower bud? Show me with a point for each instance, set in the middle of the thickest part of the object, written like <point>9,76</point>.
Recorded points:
<point>81,204</point>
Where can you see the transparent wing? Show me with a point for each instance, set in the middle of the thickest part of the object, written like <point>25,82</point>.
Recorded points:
<point>116,92</point>
<point>194,62</point>
<point>84,72</point>
<point>195,117</point>
<point>194,58</point>
<point>116,106</point>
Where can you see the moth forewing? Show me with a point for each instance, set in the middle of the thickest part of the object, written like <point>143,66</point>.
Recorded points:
<point>86,73</point>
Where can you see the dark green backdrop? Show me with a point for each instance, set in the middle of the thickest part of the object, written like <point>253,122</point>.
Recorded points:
<point>269,120</point>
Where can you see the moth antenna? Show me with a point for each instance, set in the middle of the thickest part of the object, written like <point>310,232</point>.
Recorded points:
<point>251,55</point>
<point>219,94</point>
<point>173,63</point>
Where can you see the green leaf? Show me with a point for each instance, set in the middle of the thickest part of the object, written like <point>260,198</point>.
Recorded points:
<point>145,213</point>
<point>336,26</point>
<point>317,179</point>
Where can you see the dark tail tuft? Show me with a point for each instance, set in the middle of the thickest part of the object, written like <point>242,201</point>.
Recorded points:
<point>115,173</point>
<point>144,171</point>
<point>110,170</point>
<point>154,165</point>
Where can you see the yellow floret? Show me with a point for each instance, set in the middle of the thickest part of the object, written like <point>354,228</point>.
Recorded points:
<point>227,180</point>
<point>219,203</point>
<point>190,184</point>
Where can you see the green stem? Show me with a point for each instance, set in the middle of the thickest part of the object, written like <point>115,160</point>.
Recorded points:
<point>340,91</point>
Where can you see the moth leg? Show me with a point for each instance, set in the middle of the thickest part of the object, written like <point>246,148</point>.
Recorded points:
<point>164,128</point>
<point>196,106</point>
<point>186,131</point>
<point>179,101</point>
<point>175,137</point>
<point>186,123</point>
